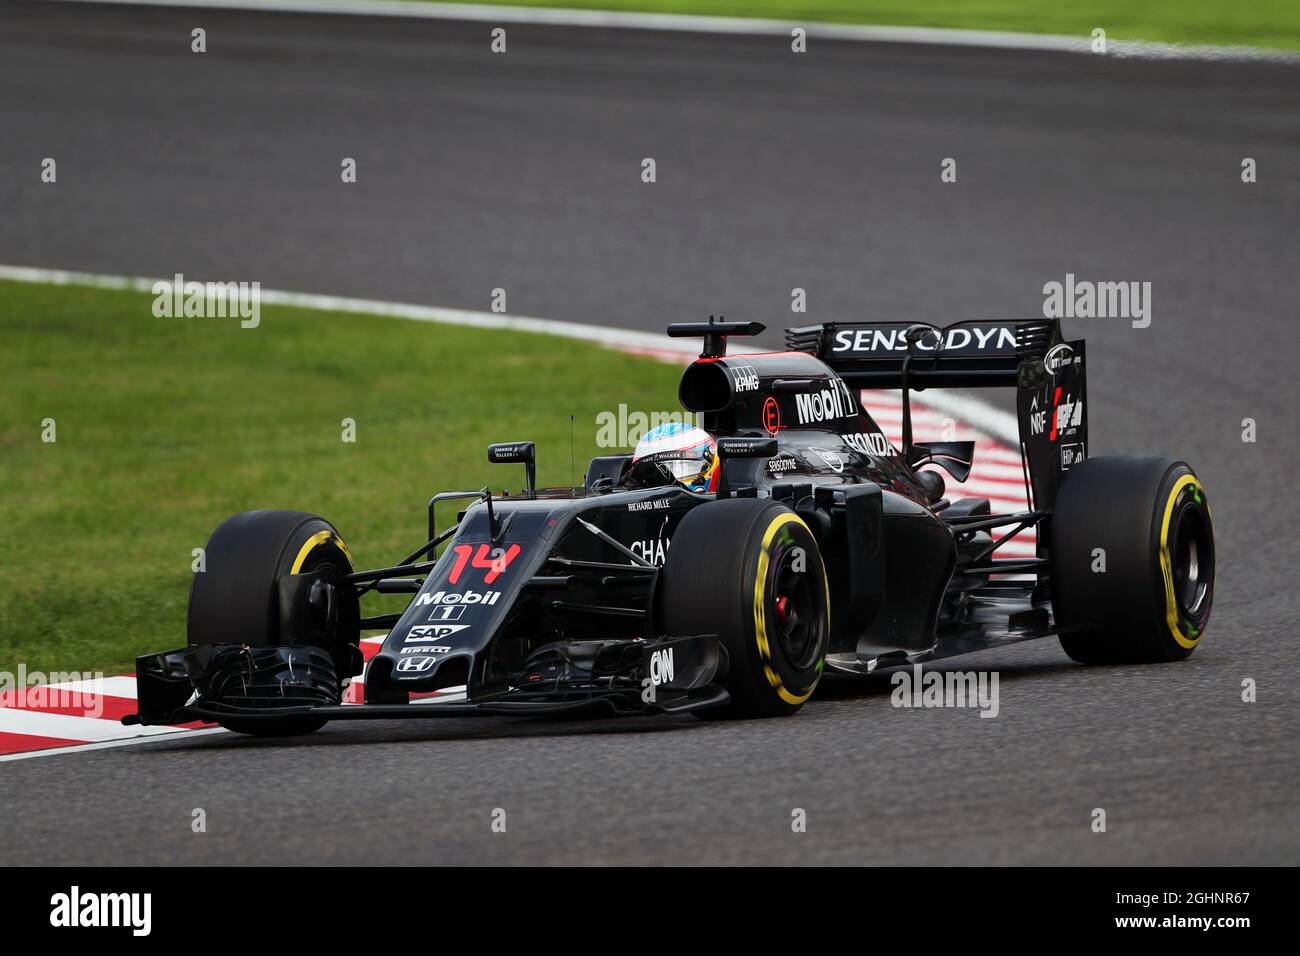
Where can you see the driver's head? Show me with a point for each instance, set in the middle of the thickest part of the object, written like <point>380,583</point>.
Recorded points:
<point>688,452</point>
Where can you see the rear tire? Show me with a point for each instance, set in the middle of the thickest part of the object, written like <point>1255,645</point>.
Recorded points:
<point>1151,521</point>
<point>749,571</point>
<point>235,600</point>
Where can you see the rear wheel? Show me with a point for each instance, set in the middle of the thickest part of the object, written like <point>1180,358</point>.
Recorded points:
<point>1132,560</point>
<point>749,571</point>
<point>235,599</point>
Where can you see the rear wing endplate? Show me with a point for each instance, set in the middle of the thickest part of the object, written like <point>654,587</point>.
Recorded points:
<point>1047,372</point>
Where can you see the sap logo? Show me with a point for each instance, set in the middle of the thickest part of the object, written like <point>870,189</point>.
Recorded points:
<point>459,597</point>
<point>661,666</point>
<point>828,404</point>
<point>434,649</point>
<point>433,632</point>
<point>75,909</point>
<point>869,443</point>
<point>745,378</point>
<point>447,612</point>
<point>415,665</point>
<point>1056,359</point>
<point>655,550</point>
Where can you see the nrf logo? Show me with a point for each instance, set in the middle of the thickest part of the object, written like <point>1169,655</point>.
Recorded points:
<point>75,909</point>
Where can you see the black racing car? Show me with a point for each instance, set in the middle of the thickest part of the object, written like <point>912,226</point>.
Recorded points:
<point>823,546</point>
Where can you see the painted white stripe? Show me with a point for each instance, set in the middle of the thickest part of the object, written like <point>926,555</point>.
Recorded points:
<point>120,686</point>
<point>599,335</point>
<point>977,413</point>
<point>72,728</point>
<point>104,745</point>
<point>452,694</point>
<point>750,26</point>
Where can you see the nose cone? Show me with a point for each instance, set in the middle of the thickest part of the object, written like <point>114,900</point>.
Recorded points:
<point>391,677</point>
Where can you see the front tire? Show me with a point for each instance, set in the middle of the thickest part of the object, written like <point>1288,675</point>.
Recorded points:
<point>235,599</point>
<point>1148,520</point>
<point>750,571</point>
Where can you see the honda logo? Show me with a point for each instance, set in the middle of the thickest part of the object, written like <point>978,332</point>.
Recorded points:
<point>416,665</point>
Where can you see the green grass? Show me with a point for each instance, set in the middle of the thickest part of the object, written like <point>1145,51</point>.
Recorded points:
<point>1263,23</point>
<point>167,426</point>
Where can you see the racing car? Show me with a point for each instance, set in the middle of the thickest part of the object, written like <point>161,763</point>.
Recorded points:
<point>720,568</point>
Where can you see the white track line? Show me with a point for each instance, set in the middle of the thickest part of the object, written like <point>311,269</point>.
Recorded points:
<point>65,727</point>
<point>118,686</point>
<point>616,338</point>
<point>104,745</point>
<point>995,422</point>
<point>748,26</point>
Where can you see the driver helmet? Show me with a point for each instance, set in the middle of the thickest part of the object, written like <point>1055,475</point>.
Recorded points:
<point>688,452</point>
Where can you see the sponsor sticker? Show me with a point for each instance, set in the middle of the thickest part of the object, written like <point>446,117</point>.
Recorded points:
<point>661,666</point>
<point>782,464</point>
<point>964,340</point>
<point>433,632</point>
<point>1072,454</point>
<point>459,597</point>
<point>744,378</point>
<point>1057,358</point>
<point>655,550</point>
<point>825,405</point>
<point>829,458</point>
<point>655,504</point>
<point>869,443</point>
<point>771,415</point>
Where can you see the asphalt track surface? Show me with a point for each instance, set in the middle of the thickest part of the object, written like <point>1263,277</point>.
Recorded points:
<point>774,171</point>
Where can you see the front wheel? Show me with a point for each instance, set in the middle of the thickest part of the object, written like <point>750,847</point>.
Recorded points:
<point>1132,560</point>
<point>750,571</point>
<point>235,599</point>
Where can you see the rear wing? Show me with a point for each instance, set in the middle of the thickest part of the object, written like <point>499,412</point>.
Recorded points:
<point>1047,372</point>
<point>966,354</point>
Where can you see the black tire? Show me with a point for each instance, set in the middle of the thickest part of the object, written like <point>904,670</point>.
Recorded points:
<point>1151,518</point>
<point>235,599</point>
<point>731,564</point>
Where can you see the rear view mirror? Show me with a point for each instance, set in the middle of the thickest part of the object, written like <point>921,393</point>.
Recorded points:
<point>512,452</point>
<point>729,448</point>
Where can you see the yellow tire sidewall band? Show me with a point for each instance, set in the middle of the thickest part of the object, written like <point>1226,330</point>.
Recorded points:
<point>1166,563</point>
<point>760,612</point>
<point>315,541</point>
